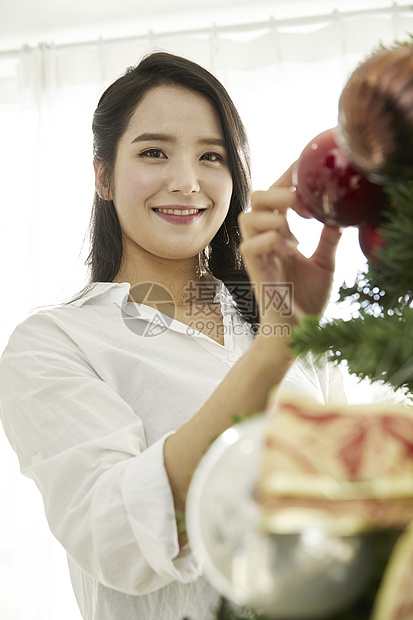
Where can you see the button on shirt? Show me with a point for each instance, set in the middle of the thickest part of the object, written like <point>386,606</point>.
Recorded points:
<point>89,393</point>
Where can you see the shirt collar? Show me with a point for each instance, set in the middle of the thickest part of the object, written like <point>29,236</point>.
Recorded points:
<point>117,292</point>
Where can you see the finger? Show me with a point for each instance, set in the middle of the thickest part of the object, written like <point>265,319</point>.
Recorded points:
<point>288,180</point>
<point>259,222</point>
<point>327,246</point>
<point>258,246</point>
<point>281,198</point>
<point>253,250</point>
<point>252,222</point>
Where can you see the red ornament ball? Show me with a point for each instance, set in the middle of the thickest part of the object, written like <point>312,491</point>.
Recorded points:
<point>331,188</point>
<point>370,240</point>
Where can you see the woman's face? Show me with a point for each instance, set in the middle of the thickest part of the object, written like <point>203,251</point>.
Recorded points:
<point>172,184</point>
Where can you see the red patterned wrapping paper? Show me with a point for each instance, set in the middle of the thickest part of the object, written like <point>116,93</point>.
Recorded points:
<point>349,469</point>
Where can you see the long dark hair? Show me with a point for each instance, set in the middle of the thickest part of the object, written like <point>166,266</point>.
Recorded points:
<point>116,106</point>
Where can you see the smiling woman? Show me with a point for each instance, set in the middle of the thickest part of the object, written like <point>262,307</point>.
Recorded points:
<point>111,400</point>
<point>155,113</point>
<point>160,176</point>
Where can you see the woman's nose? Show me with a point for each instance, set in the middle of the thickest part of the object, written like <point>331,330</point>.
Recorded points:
<point>184,178</point>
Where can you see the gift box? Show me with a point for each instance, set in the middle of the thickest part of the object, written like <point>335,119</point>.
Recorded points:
<point>344,474</point>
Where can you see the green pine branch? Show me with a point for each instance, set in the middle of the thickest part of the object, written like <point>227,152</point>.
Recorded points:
<point>388,281</point>
<point>378,348</point>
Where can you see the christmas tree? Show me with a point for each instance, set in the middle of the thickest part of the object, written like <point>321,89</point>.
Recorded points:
<point>375,132</point>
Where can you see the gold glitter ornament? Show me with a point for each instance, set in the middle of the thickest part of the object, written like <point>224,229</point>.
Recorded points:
<point>375,121</point>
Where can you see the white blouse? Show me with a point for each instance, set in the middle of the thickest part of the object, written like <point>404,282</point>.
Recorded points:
<point>89,391</point>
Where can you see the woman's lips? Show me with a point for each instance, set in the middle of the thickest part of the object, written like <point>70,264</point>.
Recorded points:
<point>176,215</point>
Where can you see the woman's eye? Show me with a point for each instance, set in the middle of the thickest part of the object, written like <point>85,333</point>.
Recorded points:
<point>212,157</point>
<point>153,154</point>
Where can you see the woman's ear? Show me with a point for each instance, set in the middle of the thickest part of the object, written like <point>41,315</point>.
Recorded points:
<point>102,184</point>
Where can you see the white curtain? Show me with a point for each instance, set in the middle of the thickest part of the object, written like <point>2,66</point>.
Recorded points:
<point>285,78</point>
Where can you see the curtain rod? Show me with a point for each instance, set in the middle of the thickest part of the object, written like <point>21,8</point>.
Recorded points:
<point>272,22</point>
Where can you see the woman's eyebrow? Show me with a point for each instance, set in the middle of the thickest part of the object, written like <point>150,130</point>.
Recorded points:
<point>148,137</point>
<point>160,137</point>
<point>215,141</point>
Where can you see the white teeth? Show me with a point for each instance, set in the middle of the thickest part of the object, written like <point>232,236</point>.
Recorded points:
<point>178,211</point>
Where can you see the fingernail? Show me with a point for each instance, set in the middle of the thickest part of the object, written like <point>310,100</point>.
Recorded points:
<point>292,243</point>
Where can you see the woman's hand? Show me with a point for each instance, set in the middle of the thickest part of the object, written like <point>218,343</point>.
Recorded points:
<point>275,267</point>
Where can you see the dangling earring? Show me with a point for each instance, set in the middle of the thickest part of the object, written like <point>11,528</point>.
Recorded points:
<point>226,235</point>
